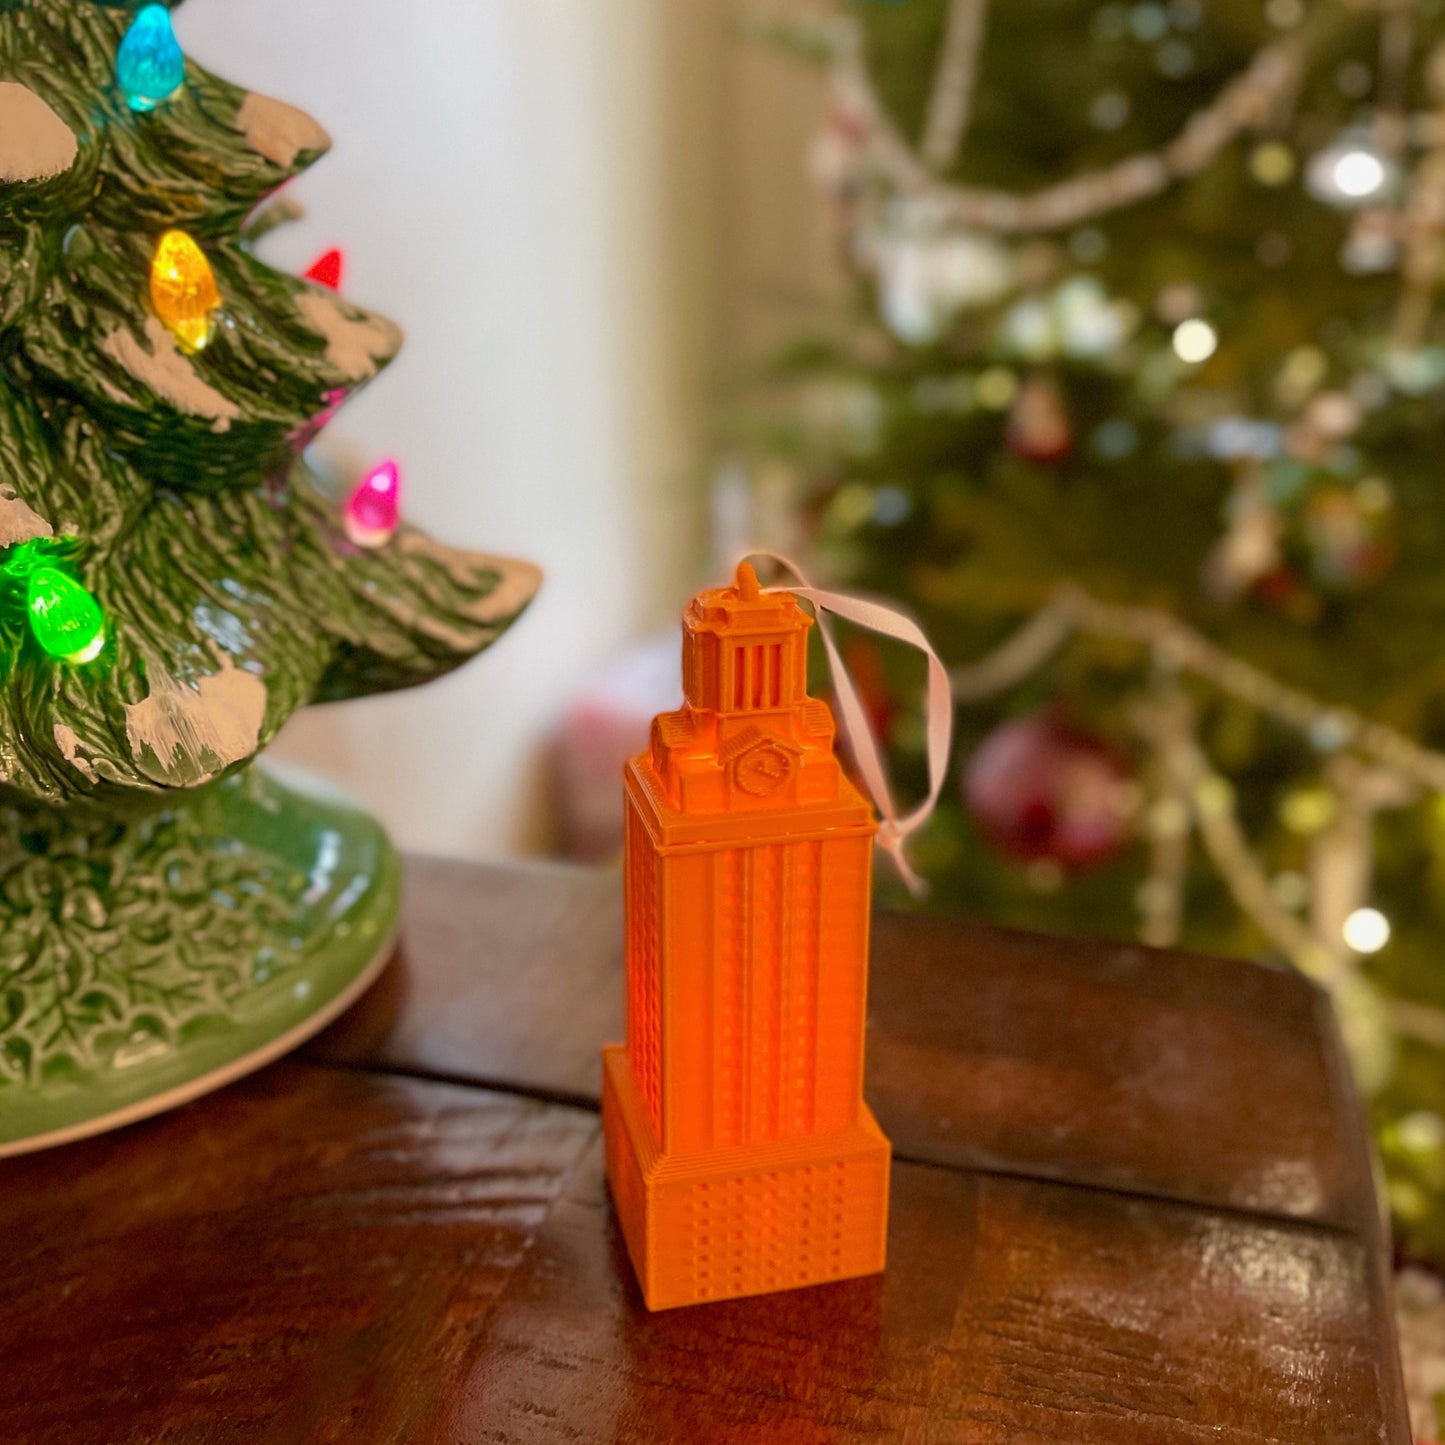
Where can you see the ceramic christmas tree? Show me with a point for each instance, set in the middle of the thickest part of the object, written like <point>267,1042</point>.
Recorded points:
<point>174,584</point>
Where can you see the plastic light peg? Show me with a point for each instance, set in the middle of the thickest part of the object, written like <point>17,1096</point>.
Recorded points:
<point>741,1156</point>
<point>327,269</point>
<point>373,510</point>
<point>65,618</point>
<point>150,64</point>
<point>183,289</point>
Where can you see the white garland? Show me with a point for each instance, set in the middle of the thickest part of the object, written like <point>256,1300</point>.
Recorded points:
<point>952,101</point>
<point>1247,102</point>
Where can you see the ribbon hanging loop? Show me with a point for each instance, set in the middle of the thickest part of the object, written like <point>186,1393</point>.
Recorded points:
<point>893,831</point>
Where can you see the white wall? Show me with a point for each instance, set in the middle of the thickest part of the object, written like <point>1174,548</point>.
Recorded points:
<point>523,185</point>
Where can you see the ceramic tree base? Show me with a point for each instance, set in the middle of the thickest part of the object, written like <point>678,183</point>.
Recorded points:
<point>145,963</point>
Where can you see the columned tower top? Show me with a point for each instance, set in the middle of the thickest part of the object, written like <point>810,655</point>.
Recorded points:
<point>744,651</point>
<point>748,738</point>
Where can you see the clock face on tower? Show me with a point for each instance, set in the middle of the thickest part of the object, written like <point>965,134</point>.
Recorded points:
<point>763,769</point>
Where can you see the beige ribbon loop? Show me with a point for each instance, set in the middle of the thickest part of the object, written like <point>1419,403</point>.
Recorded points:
<point>893,831</point>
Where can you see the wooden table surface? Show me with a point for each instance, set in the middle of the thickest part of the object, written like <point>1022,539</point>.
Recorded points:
<point>1131,1203</point>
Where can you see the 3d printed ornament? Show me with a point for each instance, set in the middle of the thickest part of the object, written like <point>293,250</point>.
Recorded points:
<point>150,65</point>
<point>183,289</point>
<point>373,511</point>
<point>741,1155</point>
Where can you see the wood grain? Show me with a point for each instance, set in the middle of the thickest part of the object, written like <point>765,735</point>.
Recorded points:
<point>505,973</point>
<point>1155,1072</point>
<point>1201,1079</point>
<point>1138,1211</point>
<point>1013,1312</point>
<point>279,1263</point>
<point>323,1255</point>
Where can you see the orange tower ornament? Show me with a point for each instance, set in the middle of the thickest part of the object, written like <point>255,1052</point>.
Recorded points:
<point>741,1155</point>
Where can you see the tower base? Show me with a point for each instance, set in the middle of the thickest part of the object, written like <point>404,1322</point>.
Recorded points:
<point>744,1220</point>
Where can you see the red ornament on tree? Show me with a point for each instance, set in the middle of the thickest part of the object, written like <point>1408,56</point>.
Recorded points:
<point>1039,429</point>
<point>326,270</point>
<point>1041,789</point>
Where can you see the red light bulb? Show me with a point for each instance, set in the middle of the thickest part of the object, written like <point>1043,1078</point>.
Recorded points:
<point>326,270</point>
<point>374,508</point>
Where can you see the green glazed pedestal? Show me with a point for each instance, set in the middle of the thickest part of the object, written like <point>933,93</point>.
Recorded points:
<point>144,963</point>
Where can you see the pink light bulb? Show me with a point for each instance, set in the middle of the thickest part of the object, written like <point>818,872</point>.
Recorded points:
<point>374,509</point>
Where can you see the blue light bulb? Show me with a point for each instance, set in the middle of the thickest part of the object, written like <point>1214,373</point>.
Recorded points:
<point>150,64</point>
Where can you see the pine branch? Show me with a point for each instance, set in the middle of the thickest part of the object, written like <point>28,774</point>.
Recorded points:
<point>1072,609</point>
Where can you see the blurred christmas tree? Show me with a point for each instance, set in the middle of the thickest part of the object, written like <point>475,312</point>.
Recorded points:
<point>1139,408</point>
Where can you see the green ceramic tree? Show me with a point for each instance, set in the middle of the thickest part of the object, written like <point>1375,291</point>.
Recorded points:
<point>152,887</point>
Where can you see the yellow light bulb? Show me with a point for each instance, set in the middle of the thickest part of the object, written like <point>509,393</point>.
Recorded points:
<point>183,289</point>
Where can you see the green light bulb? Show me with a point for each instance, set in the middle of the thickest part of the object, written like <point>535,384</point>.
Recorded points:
<point>65,618</point>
